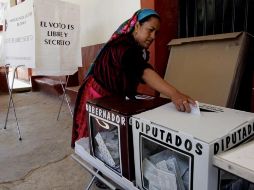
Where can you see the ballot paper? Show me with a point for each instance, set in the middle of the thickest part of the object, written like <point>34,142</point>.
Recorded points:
<point>150,173</point>
<point>195,108</point>
<point>166,176</point>
<point>152,187</point>
<point>175,165</point>
<point>158,176</point>
<point>111,141</point>
<point>104,151</point>
<point>167,179</point>
<point>183,167</point>
<point>164,169</point>
<point>141,97</point>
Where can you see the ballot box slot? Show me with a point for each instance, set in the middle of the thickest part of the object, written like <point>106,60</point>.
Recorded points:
<point>210,108</point>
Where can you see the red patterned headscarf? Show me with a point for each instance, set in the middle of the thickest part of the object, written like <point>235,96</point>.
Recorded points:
<point>126,28</point>
<point>129,24</point>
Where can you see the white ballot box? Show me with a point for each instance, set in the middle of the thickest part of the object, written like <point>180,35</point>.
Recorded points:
<point>175,150</point>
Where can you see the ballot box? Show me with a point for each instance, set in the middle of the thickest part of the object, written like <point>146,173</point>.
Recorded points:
<point>175,150</point>
<point>111,132</point>
<point>236,167</point>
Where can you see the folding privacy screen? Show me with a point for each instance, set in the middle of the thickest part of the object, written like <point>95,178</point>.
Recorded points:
<point>44,35</point>
<point>209,68</point>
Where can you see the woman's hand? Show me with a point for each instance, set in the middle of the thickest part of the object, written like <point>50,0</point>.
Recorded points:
<point>182,102</point>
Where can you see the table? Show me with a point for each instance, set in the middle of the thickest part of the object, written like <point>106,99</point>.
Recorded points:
<point>238,161</point>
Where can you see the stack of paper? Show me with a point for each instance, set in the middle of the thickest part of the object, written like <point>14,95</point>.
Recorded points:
<point>163,170</point>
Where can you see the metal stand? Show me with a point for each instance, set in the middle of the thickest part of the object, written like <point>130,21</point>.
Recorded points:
<point>95,174</point>
<point>10,88</point>
<point>64,97</point>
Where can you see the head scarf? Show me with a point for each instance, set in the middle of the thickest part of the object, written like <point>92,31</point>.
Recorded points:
<point>126,28</point>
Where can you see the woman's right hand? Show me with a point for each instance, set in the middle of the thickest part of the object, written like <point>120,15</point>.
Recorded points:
<point>182,102</point>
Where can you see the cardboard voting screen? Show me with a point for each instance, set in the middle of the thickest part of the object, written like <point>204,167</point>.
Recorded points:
<point>208,68</point>
<point>44,35</point>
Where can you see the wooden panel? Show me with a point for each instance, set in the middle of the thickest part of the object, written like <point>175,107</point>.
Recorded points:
<point>3,82</point>
<point>72,93</point>
<point>88,55</point>
<point>23,74</point>
<point>168,11</point>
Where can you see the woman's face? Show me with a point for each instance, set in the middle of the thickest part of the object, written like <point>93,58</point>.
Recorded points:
<point>145,33</point>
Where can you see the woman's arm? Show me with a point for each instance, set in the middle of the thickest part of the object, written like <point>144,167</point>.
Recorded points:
<point>180,100</point>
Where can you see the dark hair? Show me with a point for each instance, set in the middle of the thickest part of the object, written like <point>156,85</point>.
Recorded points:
<point>148,17</point>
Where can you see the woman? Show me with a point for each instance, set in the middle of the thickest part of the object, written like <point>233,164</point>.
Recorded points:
<point>121,65</point>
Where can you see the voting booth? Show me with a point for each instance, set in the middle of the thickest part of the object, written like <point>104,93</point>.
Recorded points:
<point>175,149</point>
<point>43,35</point>
<point>111,133</point>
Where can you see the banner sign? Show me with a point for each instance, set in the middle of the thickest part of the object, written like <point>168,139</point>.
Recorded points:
<point>56,48</point>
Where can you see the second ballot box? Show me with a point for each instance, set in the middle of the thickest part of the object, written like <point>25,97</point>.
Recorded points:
<point>111,132</point>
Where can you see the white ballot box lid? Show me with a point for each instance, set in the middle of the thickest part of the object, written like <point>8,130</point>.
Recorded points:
<point>213,123</point>
<point>238,161</point>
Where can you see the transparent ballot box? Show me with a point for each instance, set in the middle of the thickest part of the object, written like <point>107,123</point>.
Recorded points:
<point>111,132</point>
<point>175,150</point>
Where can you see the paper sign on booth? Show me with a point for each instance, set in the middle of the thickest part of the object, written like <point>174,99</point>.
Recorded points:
<point>58,49</point>
<point>44,35</point>
<point>19,39</point>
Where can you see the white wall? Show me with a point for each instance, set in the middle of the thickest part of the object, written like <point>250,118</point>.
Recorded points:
<point>100,18</point>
